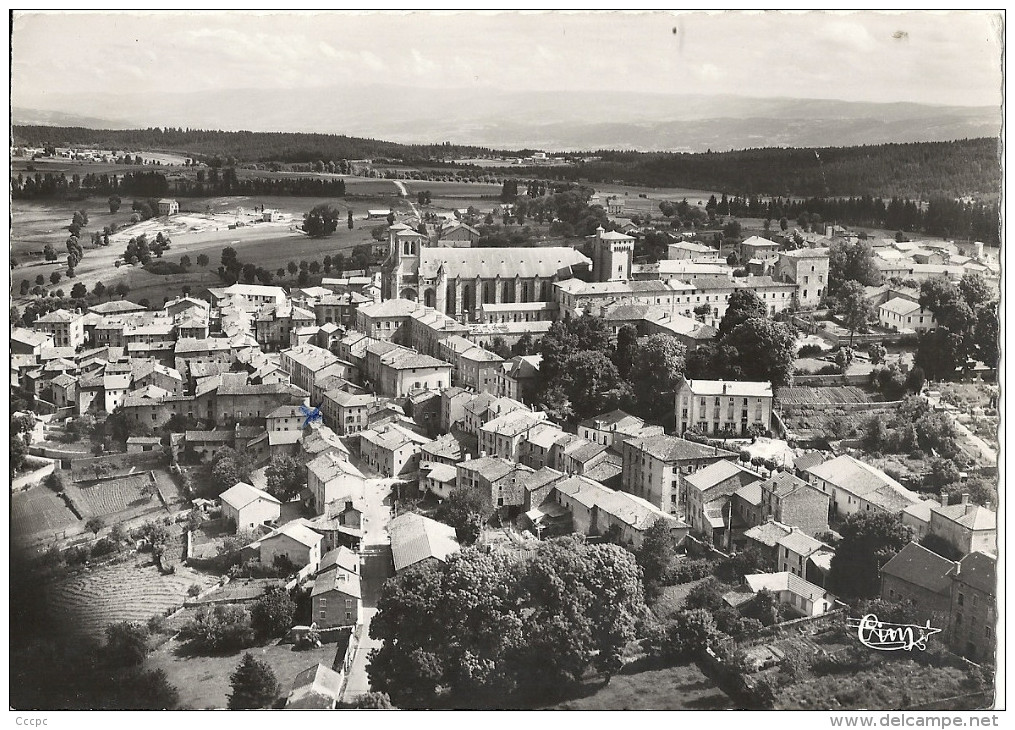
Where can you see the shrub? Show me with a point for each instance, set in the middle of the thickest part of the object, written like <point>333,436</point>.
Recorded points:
<point>687,571</point>
<point>221,628</point>
<point>162,267</point>
<point>809,351</point>
<point>194,590</point>
<point>105,546</point>
<point>156,624</point>
<point>126,643</point>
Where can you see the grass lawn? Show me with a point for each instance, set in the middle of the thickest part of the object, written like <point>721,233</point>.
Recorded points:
<point>672,599</point>
<point>674,688</point>
<point>203,681</point>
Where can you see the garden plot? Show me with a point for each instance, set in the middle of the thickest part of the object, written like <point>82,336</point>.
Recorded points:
<point>38,511</point>
<point>120,494</point>
<point>133,590</point>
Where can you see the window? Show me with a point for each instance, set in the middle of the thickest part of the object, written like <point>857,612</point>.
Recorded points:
<point>348,603</point>
<point>323,615</point>
<point>962,599</point>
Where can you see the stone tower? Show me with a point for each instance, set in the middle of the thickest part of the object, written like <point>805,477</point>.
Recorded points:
<point>612,256</point>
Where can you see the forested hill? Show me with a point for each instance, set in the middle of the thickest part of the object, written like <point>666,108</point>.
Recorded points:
<point>920,170</point>
<point>242,146</point>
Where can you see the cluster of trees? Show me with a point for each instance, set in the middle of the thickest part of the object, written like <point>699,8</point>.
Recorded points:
<point>286,476</point>
<point>913,426</point>
<point>321,221</point>
<point>967,326</point>
<point>140,250</point>
<point>230,466</point>
<point>482,631</point>
<point>747,346</point>
<point>155,184</point>
<point>585,373</point>
<point>869,540</point>
<point>224,627</point>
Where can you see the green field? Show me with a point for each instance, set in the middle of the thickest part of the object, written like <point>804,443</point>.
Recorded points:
<point>203,681</point>
<point>674,688</point>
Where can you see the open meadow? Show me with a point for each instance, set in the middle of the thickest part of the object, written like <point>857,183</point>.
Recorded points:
<point>203,681</point>
<point>683,687</point>
<point>202,228</point>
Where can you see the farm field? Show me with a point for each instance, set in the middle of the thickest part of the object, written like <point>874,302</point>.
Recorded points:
<point>40,512</point>
<point>674,688</point>
<point>116,495</point>
<point>446,189</point>
<point>203,681</point>
<point>268,245</point>
<point>132,590</point>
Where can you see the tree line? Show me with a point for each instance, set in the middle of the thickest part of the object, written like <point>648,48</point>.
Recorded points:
<point>242,145</point>
<point>42,186</point>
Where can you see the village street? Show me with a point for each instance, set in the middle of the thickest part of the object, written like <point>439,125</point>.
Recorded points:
<point>376,567</point>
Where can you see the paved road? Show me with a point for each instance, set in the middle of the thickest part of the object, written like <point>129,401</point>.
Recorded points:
<point>376,568</point>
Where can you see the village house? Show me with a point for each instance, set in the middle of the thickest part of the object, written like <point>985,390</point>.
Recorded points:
<point>539,447</point>
<point>794,591</point>
<point>706,497</point>
<point>293,542</point>
<point>438,478</point>
<point>29,342</point>
<point>808,269</point>
<point>304,362</point>
<point>347,412</point>
<point>141,444</point>
<point>168,206</point>
<point>653,467</point>
<point>968,527</point>
<point>902,315</point>
<point>792,501</point>
<point>498,481</point>
<point>802,555</point>
<point>418,540</point>
<point>597,510</point>
<point>331,478</point>
<point>722,407</point>
<point>247,506</point>
<point>65,327</point>
<point>337,597</point>
<point>854,486</point>
<point>315,688</point>
<point>973,613</point>
<point>391,449</point>
<point>921,578</point>
<point>472,366</point>
<point>764,539</point>
<point>504,435</point>
<point>387,321</point>
<point>518,378</point>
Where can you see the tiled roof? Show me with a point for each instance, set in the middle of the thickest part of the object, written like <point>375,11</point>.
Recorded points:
<point>415,538</point>
<point>866,482</point>
<point>901,306</point>
<point>296,531</point>
<point>440,472</point>
<point>783,484</point>
<point>710,476</point>
<point>627,508</point>
<point>970,516</point>
<point>922,567</point>
<point>316,688</point>
<point>750,493</point>
<point>672,448</point>
<point>490,468</point>
<point>979,571</point>
<point>768,533</point>
<point>489,263</point>
<point>732,388</point>
<point>801,543</point>
<point>241,494</point>
<point>785,581</point>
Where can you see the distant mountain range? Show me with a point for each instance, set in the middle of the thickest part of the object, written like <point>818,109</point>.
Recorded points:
<point>567,120</point>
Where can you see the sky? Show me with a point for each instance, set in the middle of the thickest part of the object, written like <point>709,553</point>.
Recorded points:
<point>947,59</point>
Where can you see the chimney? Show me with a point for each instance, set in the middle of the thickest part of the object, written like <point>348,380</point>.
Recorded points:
<point>969,507</point>
<point>965,498</point>
<point>943,496</point>
<point>468,456</point>
<point>986,505</point>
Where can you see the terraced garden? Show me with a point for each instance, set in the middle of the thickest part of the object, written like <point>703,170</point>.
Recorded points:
<point>117,495</point>
<point>132,590</point>
<point>39,511</point>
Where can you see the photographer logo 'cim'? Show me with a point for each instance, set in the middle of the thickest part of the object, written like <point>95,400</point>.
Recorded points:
<point>883,636</point>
